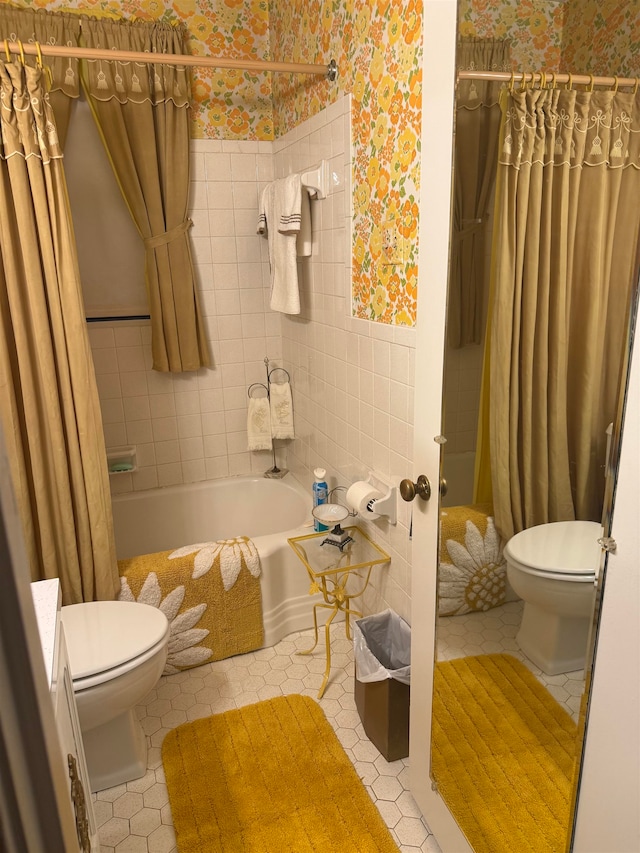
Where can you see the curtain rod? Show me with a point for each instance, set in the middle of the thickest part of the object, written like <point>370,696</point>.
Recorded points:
<point>551,78</point>
<point>330,71</point>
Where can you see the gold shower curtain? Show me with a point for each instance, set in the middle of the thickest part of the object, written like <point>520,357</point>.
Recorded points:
<point>48,398</point>
<point>567,227</point>
<point>143,116</point>
<point>476,152</point>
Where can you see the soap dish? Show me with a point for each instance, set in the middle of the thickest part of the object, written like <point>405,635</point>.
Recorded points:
<point>121,460</point>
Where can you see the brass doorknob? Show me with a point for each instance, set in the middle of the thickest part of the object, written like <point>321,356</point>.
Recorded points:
<point>409,489</point>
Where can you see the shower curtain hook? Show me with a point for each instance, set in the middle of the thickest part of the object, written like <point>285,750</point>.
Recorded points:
<point>511,82</point>
<point>635,88</point>
<point>569,85</point>
<point>543,79</point>
<point>591,83</point>
<point>554,85</point>
<point>6,50</point>
<point>616,83</point>
<point>39,62</point>
<point>21,49</point>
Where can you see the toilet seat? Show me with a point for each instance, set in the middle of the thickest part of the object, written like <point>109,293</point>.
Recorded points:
<point>561,550</point>
<point>106,639</point>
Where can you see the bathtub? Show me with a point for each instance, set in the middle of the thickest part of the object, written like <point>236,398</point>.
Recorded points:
<point>267,511</point>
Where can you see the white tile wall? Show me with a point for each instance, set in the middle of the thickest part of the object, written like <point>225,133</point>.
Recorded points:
<point>352,380</point>
<point>192,426</point>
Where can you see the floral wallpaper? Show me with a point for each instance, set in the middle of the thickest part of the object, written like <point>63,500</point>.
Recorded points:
<point>377,45</point>
<point>227,104</point>
<point>602,37</point>
<point>534,27</point>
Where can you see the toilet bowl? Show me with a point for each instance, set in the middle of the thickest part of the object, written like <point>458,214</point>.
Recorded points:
<point>117,651</point>
<point>553,568</point>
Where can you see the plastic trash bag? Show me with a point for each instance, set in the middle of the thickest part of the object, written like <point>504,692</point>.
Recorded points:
<point>382,648</point>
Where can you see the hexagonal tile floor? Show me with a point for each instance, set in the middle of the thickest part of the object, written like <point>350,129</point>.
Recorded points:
<point>493,632</point>
<point>136,817</point>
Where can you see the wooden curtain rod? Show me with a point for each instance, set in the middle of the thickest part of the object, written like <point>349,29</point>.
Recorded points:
<point>330,70</point>
<point>551,78</point>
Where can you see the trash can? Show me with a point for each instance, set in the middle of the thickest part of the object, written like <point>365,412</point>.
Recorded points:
<point>382,651</point>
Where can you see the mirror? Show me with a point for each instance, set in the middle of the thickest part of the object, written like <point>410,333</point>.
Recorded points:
<point>509,691</point>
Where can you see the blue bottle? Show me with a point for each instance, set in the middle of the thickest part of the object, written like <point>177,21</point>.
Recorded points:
<point>320,495</point>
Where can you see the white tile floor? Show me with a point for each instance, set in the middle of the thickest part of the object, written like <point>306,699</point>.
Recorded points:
<point>136,817</point>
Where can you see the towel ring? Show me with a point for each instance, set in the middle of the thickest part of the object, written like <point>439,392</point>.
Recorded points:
<point>275,369</point>
<point>257,385</point>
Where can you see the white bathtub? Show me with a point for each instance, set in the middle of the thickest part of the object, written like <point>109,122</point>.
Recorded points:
<point>268,511</point>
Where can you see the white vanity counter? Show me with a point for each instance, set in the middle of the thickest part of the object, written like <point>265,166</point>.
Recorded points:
<point>46,601</point>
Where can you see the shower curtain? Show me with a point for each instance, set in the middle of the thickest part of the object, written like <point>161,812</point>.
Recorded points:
<point>142,112</point>
<point>564,258</point>
<point>476,153</point>
<point>48,398</point>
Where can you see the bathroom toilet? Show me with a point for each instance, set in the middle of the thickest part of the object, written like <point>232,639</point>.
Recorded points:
<point>117,652</point>
<point>553,568</point>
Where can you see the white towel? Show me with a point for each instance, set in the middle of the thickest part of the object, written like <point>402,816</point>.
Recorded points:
<point>279,220</point>
<point>259,424</point>
<point>304,240</point>
<point>281,411</point>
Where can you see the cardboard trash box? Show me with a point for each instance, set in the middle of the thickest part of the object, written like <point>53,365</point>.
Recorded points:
<point>382,651</point>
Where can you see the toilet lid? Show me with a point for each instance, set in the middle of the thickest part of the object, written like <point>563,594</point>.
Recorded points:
<point>101,635</point>
<point>562,547</point>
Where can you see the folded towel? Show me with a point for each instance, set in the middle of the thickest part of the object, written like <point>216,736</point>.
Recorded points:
<point>279,220</point>
<point>259,424</point>
<point>281,411</point>
<point>304,240</point>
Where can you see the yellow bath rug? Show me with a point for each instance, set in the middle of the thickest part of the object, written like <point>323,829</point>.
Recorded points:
<point>268,778</point>
<point>473,572</point>
<point>504,755</point>
<point>209,592</point>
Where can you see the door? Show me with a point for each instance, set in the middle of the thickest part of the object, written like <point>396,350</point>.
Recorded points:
<point>611,778</point>
<point>439,39</point>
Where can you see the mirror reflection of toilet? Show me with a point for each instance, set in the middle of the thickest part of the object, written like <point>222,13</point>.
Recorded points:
<point>117,652</point>
<point>553,568</point>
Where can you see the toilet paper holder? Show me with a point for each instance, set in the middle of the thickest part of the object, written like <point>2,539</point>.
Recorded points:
<point>374,498</point>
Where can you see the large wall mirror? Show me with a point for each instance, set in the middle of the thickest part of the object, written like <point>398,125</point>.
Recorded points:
<point>542,294</point>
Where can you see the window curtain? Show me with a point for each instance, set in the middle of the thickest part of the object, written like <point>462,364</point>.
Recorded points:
<point>48,398</point>
<point>29,25</point>
<point>142,113</point>
<point>476,157</point>
<point>566,241</point>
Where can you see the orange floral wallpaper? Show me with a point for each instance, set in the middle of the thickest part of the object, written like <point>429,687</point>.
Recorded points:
<point>377,45</point>
<point>602,37</point>
<point>534,27</point>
